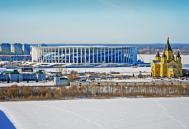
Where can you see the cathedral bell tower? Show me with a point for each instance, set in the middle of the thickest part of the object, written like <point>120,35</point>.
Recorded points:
<point>178,60</point>
<point>157,57</point>
<point>178,57</point>
<point>168,51</point>
<point>163,65</point>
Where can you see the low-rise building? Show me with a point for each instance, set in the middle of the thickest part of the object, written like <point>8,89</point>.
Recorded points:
<point>61,81</point>
<point>29,77</point>
<point>3,77</point>
<point>15,76</point>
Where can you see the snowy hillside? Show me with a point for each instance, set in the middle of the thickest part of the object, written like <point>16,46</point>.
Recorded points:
<point>120,113</point>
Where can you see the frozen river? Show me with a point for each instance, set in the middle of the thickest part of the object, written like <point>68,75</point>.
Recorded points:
<point>119,113</point>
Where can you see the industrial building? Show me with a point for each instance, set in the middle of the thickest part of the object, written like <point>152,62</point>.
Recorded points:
<point>85,54</point>
<point>5,48</point>
<point>26,49</point>
<point>16,76</point>
<point>15,52</point>
<point>16,49</point>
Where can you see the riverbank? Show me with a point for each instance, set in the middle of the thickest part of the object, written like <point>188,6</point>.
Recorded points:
<point>104,89</point>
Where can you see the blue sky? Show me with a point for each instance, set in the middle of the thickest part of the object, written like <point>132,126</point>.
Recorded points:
<point>94,21</point>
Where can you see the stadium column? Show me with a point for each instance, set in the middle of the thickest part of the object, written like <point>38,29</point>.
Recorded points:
<point>131,58</point>
<point>58,55</point>
<point>39,54</point>
<point>129,55</point>
<point>93,56</point>
<point>121,52</point>
<point>124,55</point>
<point>49,56</point>
<point>77,56</point>
<point>46,52</point>
<point>101,51</point>
<point>104,54</point>
<point>64,55</point>
<point>51,60</point>
<point>48,61</point>
<point>81,55</point>
<point>73,55</point>
<point>85,56</point>
<point>118,55</point>
<point>42,54</point>
<point>69,55</point>
<point>97,55</point>
<point>115,54</point>
<point>108,55</point>
<point>54,53</point>
<point>89,55</point>
<point>40,57</point>
<point>135,55</point>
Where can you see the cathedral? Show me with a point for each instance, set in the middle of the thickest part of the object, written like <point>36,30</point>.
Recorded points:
<point>168,64</point>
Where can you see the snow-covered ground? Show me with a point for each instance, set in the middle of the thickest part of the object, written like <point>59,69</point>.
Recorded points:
<point>125,70</point>
<point>47,83</point>
<point>119,113</point>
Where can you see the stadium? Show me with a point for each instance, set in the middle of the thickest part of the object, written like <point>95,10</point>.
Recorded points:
<point>89,54</point>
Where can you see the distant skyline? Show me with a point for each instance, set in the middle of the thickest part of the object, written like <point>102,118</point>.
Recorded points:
<point>94,21</point>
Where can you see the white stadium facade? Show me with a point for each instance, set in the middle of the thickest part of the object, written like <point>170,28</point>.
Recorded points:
<point>89,54</point>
